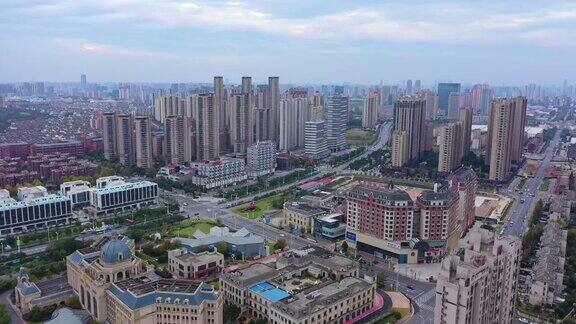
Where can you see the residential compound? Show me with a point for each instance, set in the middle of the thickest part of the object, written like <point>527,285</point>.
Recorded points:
<point>115,286</point>
<point>309,285</point>
<point>481,288</point>
<point>386,221</point>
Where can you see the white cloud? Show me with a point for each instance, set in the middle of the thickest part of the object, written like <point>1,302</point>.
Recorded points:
<point>449,22</point>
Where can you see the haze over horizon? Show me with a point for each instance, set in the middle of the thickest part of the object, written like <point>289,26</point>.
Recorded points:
<point>499,42</point>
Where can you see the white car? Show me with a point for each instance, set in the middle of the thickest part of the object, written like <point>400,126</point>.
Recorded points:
<point>523,320</point>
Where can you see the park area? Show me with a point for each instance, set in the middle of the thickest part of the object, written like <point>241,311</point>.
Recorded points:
<point>261,206</point>
<point>360,137</point>
<point>188,227</point>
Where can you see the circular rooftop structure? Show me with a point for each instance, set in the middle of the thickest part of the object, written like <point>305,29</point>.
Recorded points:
<point>115,251</point>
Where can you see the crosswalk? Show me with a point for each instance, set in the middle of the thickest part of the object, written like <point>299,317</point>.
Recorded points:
<point>423,301</point>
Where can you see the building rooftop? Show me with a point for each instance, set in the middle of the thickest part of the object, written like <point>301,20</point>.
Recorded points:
<point>304,209</point>
<point>13,204</point>
<point>390,195</point>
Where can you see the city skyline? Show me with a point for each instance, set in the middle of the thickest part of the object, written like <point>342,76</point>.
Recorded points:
<point>192,41</point>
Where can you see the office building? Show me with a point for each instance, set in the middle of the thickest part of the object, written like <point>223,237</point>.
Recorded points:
<point>336,117</point>
<point>370,111</point>
<point>113,194</point>
<point>189,265</point>
<point>438,216</point>
<point>207,129</point>
<point>465,118</point>
<point>315,142</point>
<point>77,191</point>
<point>261,159</point>
<point>444,91</point>
<point>450,147</point>
<point>218,173</point>
<point>409,117</point>
<point>335,295</point>
<point>35,209</point>
<point>466,182</point>
<point>143,141</point>
<point>482,288</point>
<point>505,135</point>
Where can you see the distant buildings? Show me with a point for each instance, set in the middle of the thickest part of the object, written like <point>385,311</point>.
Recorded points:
<point>370,111</point>
<point>483,287</point>
<point>505,136</point>
<point>444,91</point>
<point>410,130</point>
<point>465,118</point>
<point>261,159</point>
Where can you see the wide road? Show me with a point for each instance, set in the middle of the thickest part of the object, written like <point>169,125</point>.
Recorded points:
<point>519,213</point>
<point>383,138</point>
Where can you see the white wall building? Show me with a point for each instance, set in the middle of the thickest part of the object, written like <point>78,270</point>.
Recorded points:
<point>219,173</point>
<point>113,194</point>
<point>261,159</point>
<point>316,145</point>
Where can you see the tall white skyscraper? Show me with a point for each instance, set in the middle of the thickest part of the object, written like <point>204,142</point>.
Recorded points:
<point>316,144</point>
<point>336,117</point>
<point>293,114</point>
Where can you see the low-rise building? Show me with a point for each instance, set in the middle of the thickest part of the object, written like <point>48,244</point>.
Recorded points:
<point>218,173</point>
<point>320,198</point>
<point>155,300</point>
<point>114,194</point>
<point>309,285</point>
<point>331,226</point>
<point>301,216</point>
<point>28,294</point>
<point>188,265</point>
<point>240,244</point>
<point>36,209</point>
<point>547,280</point>
<point>261,159</point>
<point>77,191</point>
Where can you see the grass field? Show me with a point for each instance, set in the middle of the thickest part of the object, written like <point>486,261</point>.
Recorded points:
<point>357,136</point>
<point>188,227</point>
<point>262,206</point>
<point>544,185</point>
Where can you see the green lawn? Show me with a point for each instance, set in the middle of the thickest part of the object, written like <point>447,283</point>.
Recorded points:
<point>188,227</point>
<point>357,136</point>
<point>262,206</point>
<point>544,185</point>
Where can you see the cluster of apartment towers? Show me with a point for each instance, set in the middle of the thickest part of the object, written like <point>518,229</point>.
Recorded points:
<point>201,127</point>
<point>413,134</point>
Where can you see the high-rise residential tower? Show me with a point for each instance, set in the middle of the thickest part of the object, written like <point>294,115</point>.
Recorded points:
<point>143,140</point>
<point>109,135</point>
<point>175,134</point>
<point>453,105</point>
<point>481,288</point>
<point>273,107</point>
<point>505,135</point>
<point>293,114</point>
<point>207,129</point>
<point>409,117</point>
<point>241,114</point>
<point>370,110</point>
<point>336,117</point>
<point>125,139</point>
<point>465,117</point>
<point>450,147</point>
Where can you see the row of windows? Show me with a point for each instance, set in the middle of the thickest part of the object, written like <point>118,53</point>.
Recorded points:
<point>128,196</point>
<point>34,213</point>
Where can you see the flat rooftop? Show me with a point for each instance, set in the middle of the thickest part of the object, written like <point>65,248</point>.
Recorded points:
<point>143,285</point>
<point>201,258</point>
<point>304,209</point>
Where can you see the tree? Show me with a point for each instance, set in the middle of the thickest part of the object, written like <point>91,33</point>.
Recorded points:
<point>344,246</point>
<point>4,316</point>
<point>231,313</point>
<point>223,248</point>
<point>280,244</point>
<point>381,279</point>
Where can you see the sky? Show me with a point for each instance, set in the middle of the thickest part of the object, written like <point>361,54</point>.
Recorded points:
<point>301,41</point>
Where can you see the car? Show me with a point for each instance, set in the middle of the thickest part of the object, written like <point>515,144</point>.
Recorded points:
<point>522,320</point>
<point>185,204</point>
<point>410,287</point>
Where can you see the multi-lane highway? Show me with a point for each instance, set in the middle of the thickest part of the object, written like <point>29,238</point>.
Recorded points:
<point>521,209</point>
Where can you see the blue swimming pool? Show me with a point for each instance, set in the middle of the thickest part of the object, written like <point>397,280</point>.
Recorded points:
<point>269,291</point>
